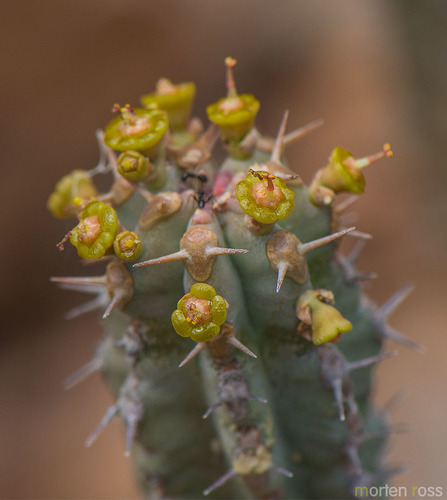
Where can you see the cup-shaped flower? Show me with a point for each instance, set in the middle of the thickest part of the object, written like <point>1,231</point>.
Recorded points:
<point>175,99</point>
<point>200,313</point>
<point>342,174</point>
<point>264,197</point>
<point>134,166</point>
<point>127,246</point>
<point>76,186</point>
<point>234,115</point>
<point>325,320</point>
<point>97,228</point>
<point>137,129</point>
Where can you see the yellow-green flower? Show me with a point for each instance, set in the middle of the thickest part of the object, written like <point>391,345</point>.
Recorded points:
<point>64,200</point>
<point>233,114</point>
<point>176,100</point>
<point>326,322</point>
<point>342,174</point>
<point>96,230</point>
<point>127,246</point>
<point>264,197</point>
<point>200,313</point>
<point>137,129</point>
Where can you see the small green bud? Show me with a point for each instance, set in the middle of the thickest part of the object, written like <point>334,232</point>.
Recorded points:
<point>133,166</point>
<point>127,246</point>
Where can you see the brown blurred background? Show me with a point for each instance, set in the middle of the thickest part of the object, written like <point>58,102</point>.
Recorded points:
<point>375,71</point>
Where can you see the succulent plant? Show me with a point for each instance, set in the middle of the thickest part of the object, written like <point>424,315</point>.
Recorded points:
<point>237,339</point>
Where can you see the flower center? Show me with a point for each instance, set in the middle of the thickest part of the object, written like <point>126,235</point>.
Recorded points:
<point>89,229</point>
<point>197,310</point>
<point>165,87</point>
<point>265,197</point>
<point>230,104</point>
<point>134,125</point>
<point>129,164</point>
<point>127,244</point>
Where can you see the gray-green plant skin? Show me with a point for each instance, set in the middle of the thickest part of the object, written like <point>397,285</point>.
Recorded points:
<point>295,422</point>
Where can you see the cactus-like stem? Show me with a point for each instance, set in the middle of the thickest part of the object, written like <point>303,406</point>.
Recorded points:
<point>242,366</point>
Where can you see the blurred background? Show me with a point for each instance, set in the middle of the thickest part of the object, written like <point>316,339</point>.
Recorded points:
<point>375,71</point>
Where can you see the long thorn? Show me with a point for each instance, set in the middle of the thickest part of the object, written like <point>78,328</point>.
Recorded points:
<point>106,419</point>
<point>211,409</point>
<point>337,389</point>
<point>118,296</point>
<point>362,363</point>
<point>281,470</point>
<point>303,248</point>
<point>82,373</point>
<point>221,481</point>
<point>392,334</point>
<point>239,345</point>
<point>279,142</point>
<point>351,452</point>
<point>282,271</point>
<point>180,255</point>
<point>345,204</point>
<point>395,300</point>
<point>86,307</point>
<point>301,132</point>
<point>394,401</point>
<point>214,251</point>
<point>81,280</point>
<point>192,354</point>
<point>131,430</point>
<point>257,398</point>
<point>355,252</point>
<point>361,235</point>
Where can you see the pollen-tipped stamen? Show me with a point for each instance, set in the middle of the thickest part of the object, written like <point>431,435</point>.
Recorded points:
<point>230,63</point>
<point>360,163</point>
